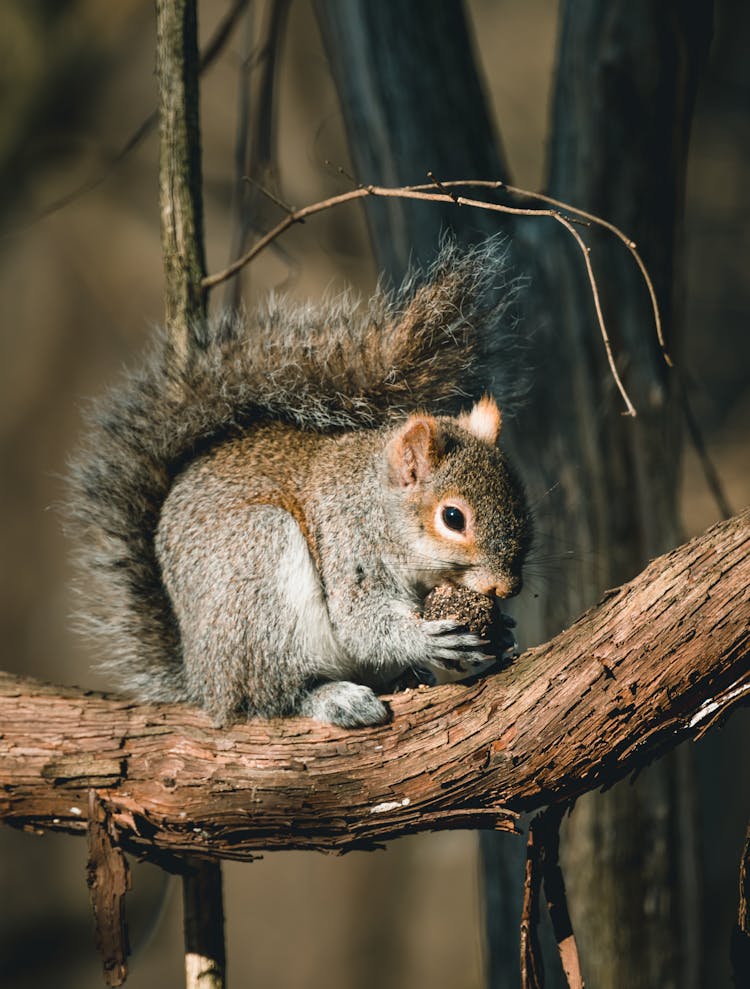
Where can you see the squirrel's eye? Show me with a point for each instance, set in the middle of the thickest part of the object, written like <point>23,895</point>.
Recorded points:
<point>454,518</point>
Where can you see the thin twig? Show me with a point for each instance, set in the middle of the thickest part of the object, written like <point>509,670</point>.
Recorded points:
<point>591,218</point>
<point>586,252</point>
<point>417,192</point>
<point>436,182</point>
<point>340,170</point>
<point>276,200</point>
<point>222,34</point>
<point>627,241</point>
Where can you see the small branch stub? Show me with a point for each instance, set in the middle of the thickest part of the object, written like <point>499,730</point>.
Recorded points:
<point>108,882</point>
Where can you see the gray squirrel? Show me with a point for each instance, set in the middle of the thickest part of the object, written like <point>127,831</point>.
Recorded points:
<point>260,523</point>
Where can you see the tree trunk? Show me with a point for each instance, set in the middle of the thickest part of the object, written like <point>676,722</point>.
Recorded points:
<point>412,103</point>
<point>624,95</point>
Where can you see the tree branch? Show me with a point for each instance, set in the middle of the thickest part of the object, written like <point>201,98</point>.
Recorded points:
<point>654,663</point>
<point>183,254</point>
<point>180,185</point>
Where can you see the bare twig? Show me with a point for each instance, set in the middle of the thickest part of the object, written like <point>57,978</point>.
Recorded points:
<point>340,170</point>
<point>630,244</point>
<point>438,184</point>
<point>586,252</point>
<point>222,34</point>
<point>589,218</point>
<point>271,196</point>
<point>418,192</point>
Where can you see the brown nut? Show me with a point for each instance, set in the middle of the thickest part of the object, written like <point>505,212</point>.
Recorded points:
<point>469,608</point>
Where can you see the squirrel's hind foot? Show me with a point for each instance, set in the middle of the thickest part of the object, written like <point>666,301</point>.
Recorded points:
<point>349,705</point>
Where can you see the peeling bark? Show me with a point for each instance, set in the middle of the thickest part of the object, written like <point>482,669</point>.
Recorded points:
<point>659,660</point>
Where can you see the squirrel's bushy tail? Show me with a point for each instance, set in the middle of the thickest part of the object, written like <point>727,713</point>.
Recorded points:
<point>336,366</point>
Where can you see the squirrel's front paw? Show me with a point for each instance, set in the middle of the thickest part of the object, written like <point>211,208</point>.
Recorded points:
<point>451,647</point>
<point>350,705</point>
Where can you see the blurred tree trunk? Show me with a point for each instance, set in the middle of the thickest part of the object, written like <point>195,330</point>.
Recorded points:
<point>623,99</point>
<point>412,102</point>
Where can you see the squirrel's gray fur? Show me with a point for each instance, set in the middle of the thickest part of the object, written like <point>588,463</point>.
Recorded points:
<point>339,367</point>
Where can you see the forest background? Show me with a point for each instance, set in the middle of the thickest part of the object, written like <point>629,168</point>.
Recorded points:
<point>81,290</point>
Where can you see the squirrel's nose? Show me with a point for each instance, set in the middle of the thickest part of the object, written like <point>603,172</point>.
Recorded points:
<point>503,587</point>
<point>509,587</point>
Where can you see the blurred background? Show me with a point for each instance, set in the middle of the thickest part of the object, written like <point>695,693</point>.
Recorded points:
<point>80,291</point>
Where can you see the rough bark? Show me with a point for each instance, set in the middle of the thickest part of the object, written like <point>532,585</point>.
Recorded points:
<point>109,881</point>
<point>654,663</point>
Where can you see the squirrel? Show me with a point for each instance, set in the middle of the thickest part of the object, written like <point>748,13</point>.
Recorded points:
<point>261,521</point>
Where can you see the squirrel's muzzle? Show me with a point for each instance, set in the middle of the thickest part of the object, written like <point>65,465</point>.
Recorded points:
<point>505,586</point>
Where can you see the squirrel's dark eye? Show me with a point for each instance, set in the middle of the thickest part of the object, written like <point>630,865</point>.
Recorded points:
<point>454,518</point>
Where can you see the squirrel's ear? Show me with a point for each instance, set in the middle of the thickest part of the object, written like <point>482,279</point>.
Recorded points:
<point>414,451</point>
<point>484,420</point>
